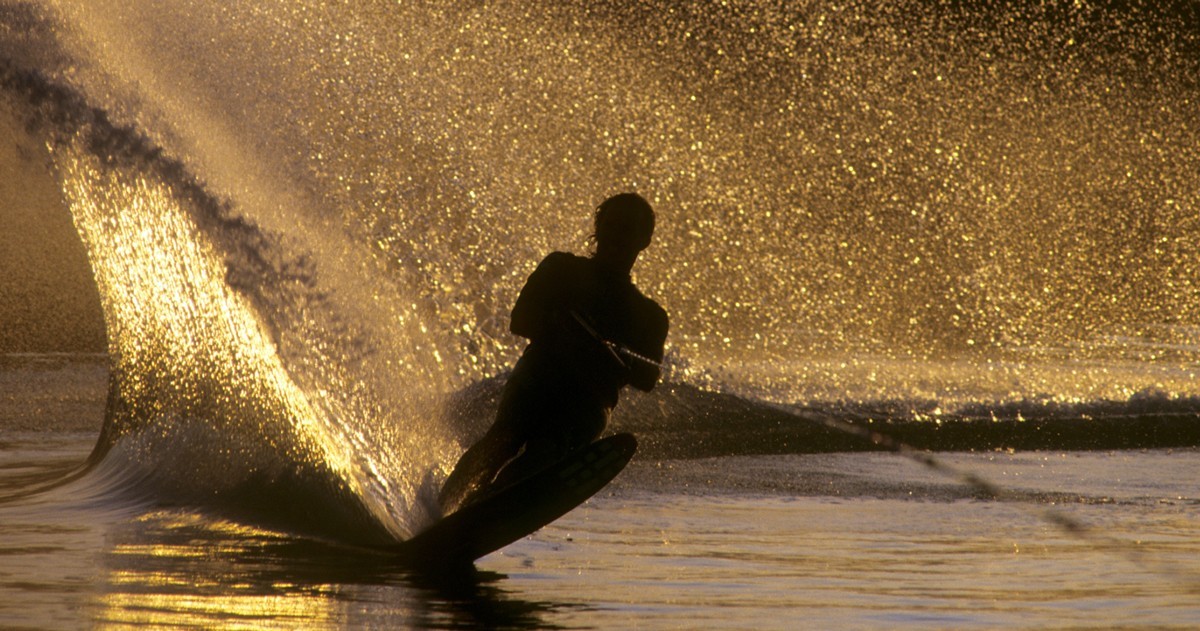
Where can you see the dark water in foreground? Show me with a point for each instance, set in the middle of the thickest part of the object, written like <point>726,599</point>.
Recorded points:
<point>655,554</point>
<point>843,540</point>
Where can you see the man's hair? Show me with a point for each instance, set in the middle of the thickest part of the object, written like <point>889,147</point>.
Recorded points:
<point>625,212</point>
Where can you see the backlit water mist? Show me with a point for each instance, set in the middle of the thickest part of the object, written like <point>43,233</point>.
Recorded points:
<point>307,223</point>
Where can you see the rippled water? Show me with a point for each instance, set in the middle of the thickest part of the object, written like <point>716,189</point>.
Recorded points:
<point>833,541</point>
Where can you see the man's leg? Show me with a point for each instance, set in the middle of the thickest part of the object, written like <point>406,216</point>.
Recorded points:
<point>477,466</point>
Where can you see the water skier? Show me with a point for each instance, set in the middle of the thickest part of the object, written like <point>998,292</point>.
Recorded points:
<point>591,333</point>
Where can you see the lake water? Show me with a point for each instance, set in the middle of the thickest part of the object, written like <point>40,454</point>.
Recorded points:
<point>934,358</point>
<point>820,541</point>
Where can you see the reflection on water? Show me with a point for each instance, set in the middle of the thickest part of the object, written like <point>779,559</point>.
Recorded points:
<point>169,568</point>
<point>834,540</point>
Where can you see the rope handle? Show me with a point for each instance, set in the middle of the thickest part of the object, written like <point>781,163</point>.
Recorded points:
<point>615,349</point>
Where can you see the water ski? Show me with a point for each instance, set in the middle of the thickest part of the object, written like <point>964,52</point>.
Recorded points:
<point>511,513</point>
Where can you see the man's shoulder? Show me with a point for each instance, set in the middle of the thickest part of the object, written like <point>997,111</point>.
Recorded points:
<point>563,260</point>
<point>559,272</point>
<point>651,310</point>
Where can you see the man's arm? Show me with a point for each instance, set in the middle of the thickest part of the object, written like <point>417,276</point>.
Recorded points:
<point>533,313</point>
<point>646,366</point>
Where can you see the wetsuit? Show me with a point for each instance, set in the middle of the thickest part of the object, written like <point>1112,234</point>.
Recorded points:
<point>562,389</point>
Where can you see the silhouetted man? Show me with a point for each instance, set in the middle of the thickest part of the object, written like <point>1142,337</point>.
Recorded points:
<point>591,332</point>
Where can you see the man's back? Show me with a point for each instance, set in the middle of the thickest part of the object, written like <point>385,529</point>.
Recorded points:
<point>570,305</point>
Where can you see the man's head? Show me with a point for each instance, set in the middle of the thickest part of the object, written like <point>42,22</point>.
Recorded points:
<point>624,222</point>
